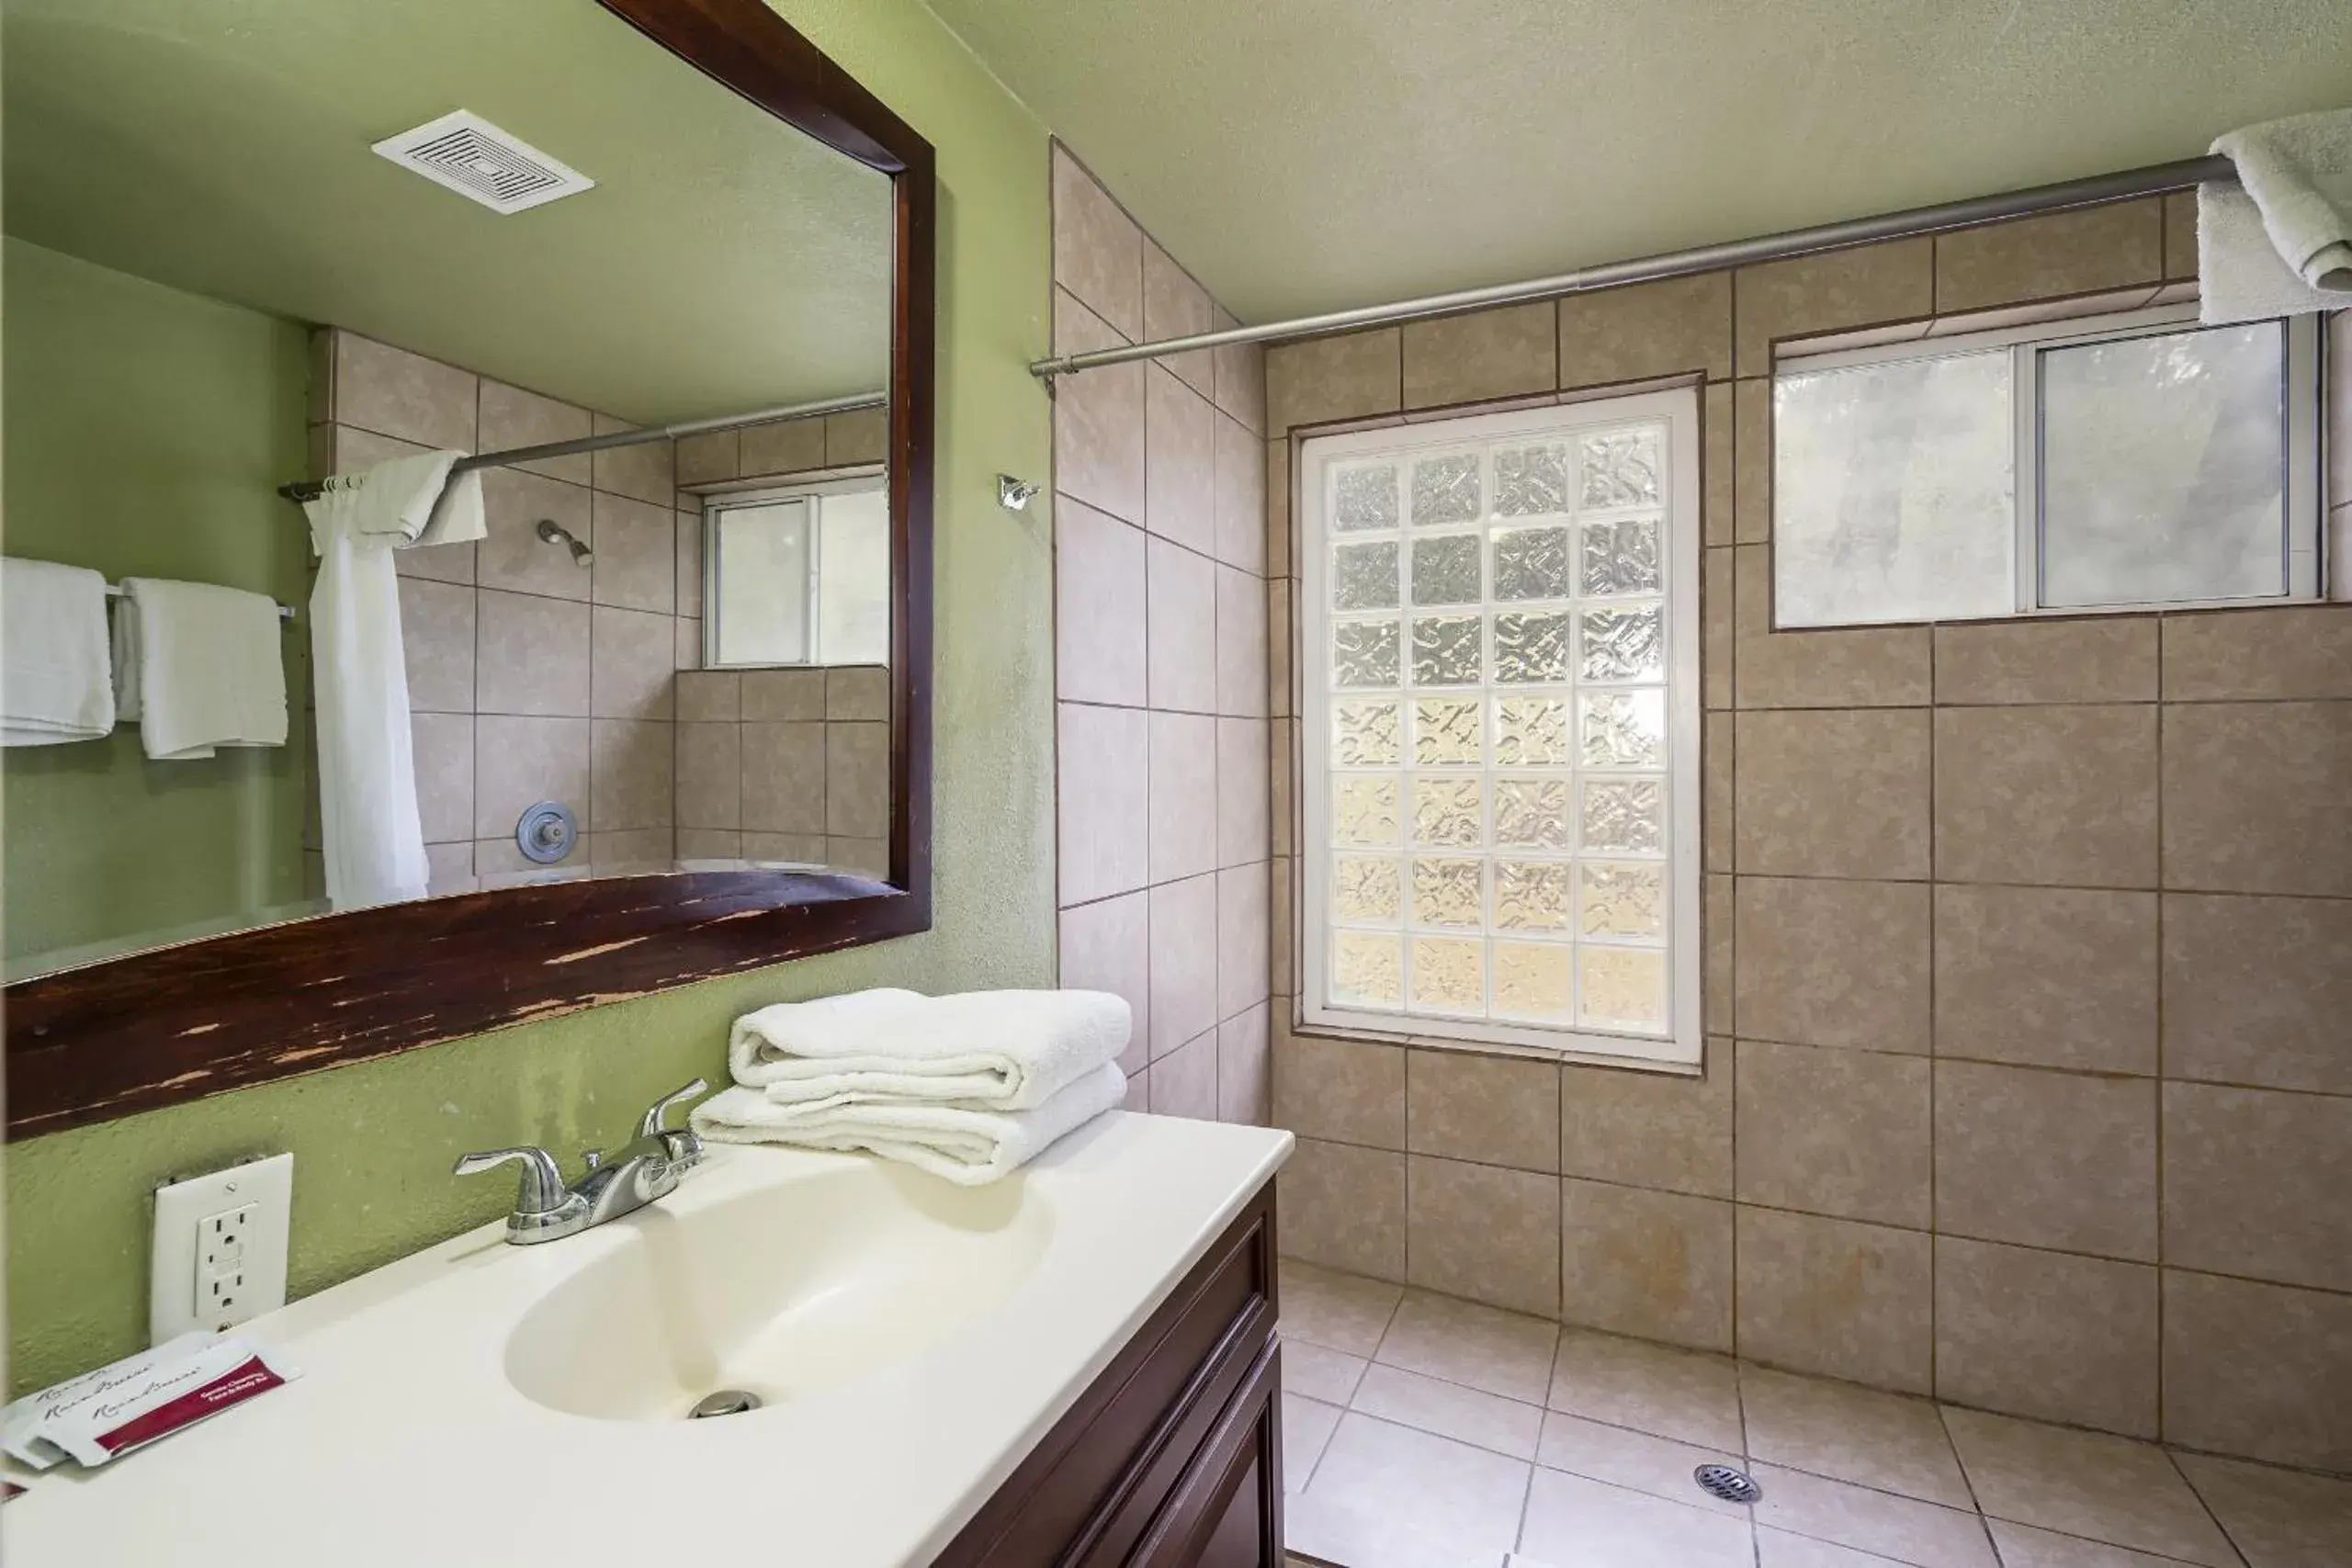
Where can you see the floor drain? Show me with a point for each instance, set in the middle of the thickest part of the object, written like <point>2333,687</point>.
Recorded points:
<point>1731,1485</point>
<point>726,1402</point>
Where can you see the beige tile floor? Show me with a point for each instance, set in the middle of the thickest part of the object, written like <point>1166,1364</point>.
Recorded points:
<point>1424,1432</point>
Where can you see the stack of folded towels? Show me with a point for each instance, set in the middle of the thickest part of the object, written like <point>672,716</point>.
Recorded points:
<point>967,1087</point>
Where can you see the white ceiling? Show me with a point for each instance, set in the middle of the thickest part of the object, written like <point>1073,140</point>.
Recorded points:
<point>1302,155</point>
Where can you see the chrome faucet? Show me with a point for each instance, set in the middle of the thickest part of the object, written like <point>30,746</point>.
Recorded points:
<point>614,1184</point>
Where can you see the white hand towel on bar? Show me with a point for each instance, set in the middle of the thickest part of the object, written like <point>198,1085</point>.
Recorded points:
<point>2278,240</point>
<point>374,839</point>
<point>967,1145</point>
<point>56,684</point>
<point>199,666</point>
<point>1003,1050</point>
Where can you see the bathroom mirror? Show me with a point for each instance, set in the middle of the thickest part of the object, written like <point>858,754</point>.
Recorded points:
<point>339,747</point>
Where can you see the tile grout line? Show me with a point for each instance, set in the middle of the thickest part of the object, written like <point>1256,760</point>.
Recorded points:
<point>1935,1073</point>
<point>1943,1424</point>
<point>2164,636</point>
<point>2189,1482</point>
<point>1526,1501</point>
<point>1731,855</point>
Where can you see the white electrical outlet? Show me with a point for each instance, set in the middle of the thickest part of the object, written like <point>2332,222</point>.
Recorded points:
<point>220,1252</point>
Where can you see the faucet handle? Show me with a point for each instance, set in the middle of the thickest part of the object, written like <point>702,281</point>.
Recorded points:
<point>650,1126</point>
<point>542,1190</point>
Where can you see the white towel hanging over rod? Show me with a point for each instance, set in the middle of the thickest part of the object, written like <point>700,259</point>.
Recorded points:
<point>285,611</point>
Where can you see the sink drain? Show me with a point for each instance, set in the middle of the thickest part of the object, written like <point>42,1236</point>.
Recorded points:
<point>726,1402</point>
<point>1731,1485</point>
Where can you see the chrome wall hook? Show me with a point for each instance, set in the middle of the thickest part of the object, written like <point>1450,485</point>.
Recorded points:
<point>1014,495</point>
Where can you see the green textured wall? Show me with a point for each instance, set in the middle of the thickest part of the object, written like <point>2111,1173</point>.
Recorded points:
<point>373,1143</point>
<point>147,429</point>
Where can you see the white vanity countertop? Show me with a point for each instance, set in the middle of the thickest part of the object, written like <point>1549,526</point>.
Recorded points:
<point>404,1443</point>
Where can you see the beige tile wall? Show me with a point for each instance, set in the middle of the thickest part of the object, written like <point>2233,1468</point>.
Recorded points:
<point>1161,636</point>
<point>785,764</point>
<point>2029,945</point>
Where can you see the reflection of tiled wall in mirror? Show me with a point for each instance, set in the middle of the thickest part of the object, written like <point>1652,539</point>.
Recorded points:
<point>535,677</point>
<point>785,765</point>
<point>785,447</point>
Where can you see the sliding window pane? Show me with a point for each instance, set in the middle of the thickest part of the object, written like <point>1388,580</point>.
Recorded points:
<point>763,575</point>
<point>1892,491</point>
<point>853,577</point>
<point>2162,467</point>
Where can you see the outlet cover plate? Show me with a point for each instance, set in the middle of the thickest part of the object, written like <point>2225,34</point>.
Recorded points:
<point>181,1209</point>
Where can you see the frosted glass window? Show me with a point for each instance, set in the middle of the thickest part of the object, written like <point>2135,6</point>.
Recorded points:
<point>1500,731</point>
<point>2121,462</point>
<point>854,578</point>
<point>2162,469</point>
<point>762,571</point>
<point>1893,496</point>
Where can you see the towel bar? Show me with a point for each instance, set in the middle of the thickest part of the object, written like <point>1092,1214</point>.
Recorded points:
<point>285,611</point>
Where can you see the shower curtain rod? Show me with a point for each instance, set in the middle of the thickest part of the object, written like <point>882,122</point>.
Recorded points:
<point>2150,181</point>
<point>310,490</point>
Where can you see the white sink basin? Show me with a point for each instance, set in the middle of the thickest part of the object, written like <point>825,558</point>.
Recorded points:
<point>780,1291</point>
<point>482,1406</point>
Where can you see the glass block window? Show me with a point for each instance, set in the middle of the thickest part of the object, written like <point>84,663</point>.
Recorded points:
<point>1500,744</point>
<point>2127,462</point>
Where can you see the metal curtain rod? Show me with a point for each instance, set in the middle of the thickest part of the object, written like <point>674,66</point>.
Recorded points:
<point>310,490</point>
<point>2117,186</point>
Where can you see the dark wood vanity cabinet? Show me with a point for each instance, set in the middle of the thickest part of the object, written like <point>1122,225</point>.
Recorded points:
<point>1172,1458</point>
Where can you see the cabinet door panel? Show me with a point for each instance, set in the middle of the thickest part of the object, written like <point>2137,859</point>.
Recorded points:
<point>1238,1541</point>
<point>1224,1513</point>
<point>1097,1486</point>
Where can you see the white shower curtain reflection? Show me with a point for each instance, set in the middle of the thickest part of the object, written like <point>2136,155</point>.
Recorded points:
<point>373,838</point>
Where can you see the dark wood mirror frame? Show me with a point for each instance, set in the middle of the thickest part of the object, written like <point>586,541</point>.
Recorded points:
<point>178,1023</point>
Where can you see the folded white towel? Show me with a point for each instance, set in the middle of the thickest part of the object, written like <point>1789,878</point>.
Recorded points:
<point>2278,240</point>
<point>55,680</point>
<point>1003,1050</point>
<point>964,1143</point>
<point>197,666</point>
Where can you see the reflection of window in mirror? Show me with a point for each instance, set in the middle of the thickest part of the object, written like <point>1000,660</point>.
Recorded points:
<point>799,574</point>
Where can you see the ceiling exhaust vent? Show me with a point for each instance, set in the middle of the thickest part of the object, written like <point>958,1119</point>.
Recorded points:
<point>474,158</point>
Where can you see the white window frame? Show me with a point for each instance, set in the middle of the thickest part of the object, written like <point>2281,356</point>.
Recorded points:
<point>839,481</point>
<point>2301,462</point>
<point>1681,1048</point>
